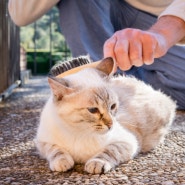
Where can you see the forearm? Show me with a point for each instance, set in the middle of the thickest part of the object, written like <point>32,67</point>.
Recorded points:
<point>171,28</point>
<point>136,47</point>
<point>24,12</point>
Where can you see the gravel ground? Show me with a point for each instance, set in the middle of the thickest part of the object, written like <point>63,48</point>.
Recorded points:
<point>21,164</point>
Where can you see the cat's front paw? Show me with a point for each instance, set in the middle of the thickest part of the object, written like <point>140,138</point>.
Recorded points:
<point>61,163</point>
<point>97,166</point>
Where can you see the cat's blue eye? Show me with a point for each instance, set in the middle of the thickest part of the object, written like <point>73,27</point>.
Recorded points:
<point>113,106</point>
<point>93,110</point>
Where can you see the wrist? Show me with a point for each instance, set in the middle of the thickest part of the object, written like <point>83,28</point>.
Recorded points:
<point>170,28</point>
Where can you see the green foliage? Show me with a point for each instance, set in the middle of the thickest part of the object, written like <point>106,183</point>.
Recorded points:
<point>27,37</point>
<point>44,60</point>
<point>45,38</point>
<point>44,33</point>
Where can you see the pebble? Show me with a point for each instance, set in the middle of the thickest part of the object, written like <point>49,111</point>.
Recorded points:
<point>168,183</point>
<point>154,174</point>
<point>181,174</point>
<point>121,177</point>
<point>16,183</point>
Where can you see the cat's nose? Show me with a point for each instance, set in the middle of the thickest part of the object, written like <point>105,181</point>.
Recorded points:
<point>109,124</point>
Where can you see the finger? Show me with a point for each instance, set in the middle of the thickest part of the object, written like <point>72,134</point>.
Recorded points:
<point>149,46</point>
<point>135,53</point>
<point>121,54</point>
<point>108,48</point>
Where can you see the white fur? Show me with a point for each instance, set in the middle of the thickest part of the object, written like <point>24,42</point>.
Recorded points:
<point>83,144</point>
<point>140,124</point>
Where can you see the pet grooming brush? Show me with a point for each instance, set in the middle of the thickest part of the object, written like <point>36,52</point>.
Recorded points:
<point>72,66</point>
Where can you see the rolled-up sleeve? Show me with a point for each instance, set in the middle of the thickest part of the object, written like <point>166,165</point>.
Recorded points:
<point>24,12</point>
<point>176,8</point>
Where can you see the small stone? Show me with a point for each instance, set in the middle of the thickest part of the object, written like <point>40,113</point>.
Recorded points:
<point>100,183</point>
<point>181,174</point>
<point>9,179</point>
<point>86,181</point>
<point>15,183</point>
<point>65,183</point>
<point>159,172</point>
<point>154,174</point>
<point>168,183</point>
<point>135,180</point>
<point>121,177</point>
<point>114,182</point>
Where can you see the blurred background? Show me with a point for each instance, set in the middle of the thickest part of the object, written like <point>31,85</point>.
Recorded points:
<point>43,43</point>
<point>29,50</point>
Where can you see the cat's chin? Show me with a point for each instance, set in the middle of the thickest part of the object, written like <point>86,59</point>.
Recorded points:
<point>103,131</point>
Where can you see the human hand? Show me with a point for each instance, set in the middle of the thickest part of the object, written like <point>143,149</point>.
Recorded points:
<point>133,47</point>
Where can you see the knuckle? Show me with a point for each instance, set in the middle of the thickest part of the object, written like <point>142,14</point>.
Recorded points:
<point>127,30</point>
<point>119,49</point>
<point>137,33</point>
<point>108,44</point>
<point>118,32</point>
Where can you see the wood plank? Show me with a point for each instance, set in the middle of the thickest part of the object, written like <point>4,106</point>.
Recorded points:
<point>9,49</point>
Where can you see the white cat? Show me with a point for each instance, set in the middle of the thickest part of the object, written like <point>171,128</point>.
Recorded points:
<point>101,120</point>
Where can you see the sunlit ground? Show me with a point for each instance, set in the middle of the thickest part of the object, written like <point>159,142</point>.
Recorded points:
<point>21,164</point>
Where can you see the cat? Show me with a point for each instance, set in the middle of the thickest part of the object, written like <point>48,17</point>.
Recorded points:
<point>100,120</point>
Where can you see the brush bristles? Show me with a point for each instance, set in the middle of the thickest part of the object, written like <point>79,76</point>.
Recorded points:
<point>67,65</point>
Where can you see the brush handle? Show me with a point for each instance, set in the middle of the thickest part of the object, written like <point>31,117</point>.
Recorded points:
<point>76,69</point>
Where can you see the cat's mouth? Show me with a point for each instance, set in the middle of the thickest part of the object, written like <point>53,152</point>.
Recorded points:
<point>102,128</point>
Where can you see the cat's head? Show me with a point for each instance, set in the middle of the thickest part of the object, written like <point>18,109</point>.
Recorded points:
<point>85,100</point>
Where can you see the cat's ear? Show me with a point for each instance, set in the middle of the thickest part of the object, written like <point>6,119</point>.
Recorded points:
<point>107,66</point>
<point>59,87</point>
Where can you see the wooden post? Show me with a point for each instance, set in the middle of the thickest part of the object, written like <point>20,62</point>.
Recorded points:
<point>9,49</point>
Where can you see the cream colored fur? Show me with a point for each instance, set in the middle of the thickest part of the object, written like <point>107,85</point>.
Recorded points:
<point>100,120</point>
